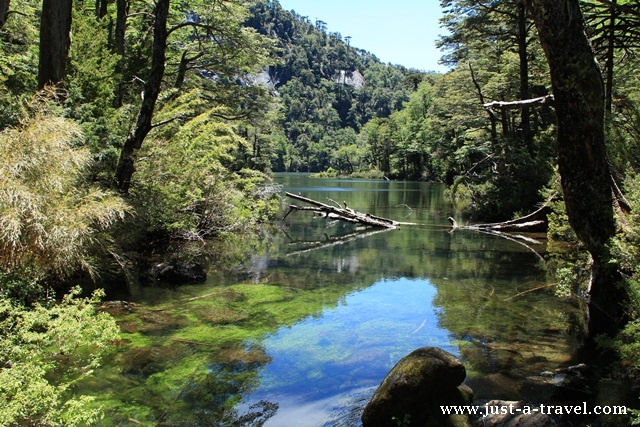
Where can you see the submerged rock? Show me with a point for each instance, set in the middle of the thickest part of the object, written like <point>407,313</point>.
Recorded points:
<point>575,383</point>
<point>511,413</point>
<point>416,387</point>
<point>118,308</point>
<point>176,272</point>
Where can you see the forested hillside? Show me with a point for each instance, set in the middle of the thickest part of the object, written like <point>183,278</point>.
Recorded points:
<point>327,91</point>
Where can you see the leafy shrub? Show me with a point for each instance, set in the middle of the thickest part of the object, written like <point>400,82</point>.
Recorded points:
<point>625,248</point>
<point>21,286</point>
<point>43,352</point>
<point>559,228</point>
<point>329,173</point>
<point>186,184</point>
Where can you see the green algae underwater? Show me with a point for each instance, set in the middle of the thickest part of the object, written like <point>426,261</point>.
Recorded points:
<point>308,328</point>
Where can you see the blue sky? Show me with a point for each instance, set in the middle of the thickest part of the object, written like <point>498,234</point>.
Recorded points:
<point>400,32</point>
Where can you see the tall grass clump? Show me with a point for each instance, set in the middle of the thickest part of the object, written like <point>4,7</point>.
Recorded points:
<point>51,219</point>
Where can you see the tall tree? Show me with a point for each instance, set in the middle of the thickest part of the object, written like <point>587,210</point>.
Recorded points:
<point>483,29</point>
<point>207,41</point>
<point>102,7</point>
<point>126,163</point>
<point>614,29</point>
<point>55,40</point>
<point>586,181</point>
<point>119,38</point>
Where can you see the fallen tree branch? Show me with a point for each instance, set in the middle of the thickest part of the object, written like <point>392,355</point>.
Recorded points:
<point>343,214</point>
<point>532,222</point>
<point>535,221</point>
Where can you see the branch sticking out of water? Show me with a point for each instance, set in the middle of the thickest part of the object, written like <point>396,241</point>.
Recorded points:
<point>343,214</point>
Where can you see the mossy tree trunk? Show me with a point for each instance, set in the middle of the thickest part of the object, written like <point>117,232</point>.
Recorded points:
<point>586,181</point>
<point>126,163</point>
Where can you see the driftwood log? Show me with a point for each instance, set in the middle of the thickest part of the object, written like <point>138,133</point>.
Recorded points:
<point>535,221</point>
<point>343,214</point>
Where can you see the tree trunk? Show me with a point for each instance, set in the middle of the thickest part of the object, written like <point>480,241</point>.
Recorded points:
<point>525,121</point>
<point>102,7</point>
<point>611,37</point>
<point>126,163</point>
<point>4,11</point>
<point>122,10</point>
<point>492,116</point>
<point>578,90</point>
<point>344,214</point>
<point>55,27</point>
<point>182,71</point>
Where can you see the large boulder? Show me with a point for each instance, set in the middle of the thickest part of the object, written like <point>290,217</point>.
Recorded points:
<point>414,390</point>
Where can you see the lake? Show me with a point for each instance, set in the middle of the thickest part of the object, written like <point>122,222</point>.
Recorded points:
<point>304,331</point>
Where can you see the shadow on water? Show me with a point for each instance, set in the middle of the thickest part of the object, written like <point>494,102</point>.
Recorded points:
<point>305,332</point>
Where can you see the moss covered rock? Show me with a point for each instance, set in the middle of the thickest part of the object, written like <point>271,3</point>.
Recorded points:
<point>416,387</point>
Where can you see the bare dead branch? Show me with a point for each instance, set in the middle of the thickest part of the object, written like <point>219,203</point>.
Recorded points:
<point>546,100</point>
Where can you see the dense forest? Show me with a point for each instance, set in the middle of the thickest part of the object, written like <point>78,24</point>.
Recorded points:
<point>126,125</point>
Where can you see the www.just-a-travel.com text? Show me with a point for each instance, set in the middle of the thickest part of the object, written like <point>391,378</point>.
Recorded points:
<point>516,409</point>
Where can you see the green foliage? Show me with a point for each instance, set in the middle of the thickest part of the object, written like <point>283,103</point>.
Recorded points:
<point>625,248</point>
<point>627,344</point>
<point>21,286</point>
<point>18,59</point>
<point>567,261</point>
<point>92,69</point>
<point>93,76</point>
<point>214,43</point>
<point>44,351</point>
<point>186,182</point>
<point>329,90</point>
<point>624,130</point>
<point>559,228</point>
<point>51,219</point>
<point>513,186</point>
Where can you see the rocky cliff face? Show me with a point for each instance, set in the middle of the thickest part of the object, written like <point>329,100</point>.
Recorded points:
<point>266,78</point>
<point>350,78</point>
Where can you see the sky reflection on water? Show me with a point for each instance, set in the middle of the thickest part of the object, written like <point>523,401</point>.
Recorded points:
<point>323,362</point>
